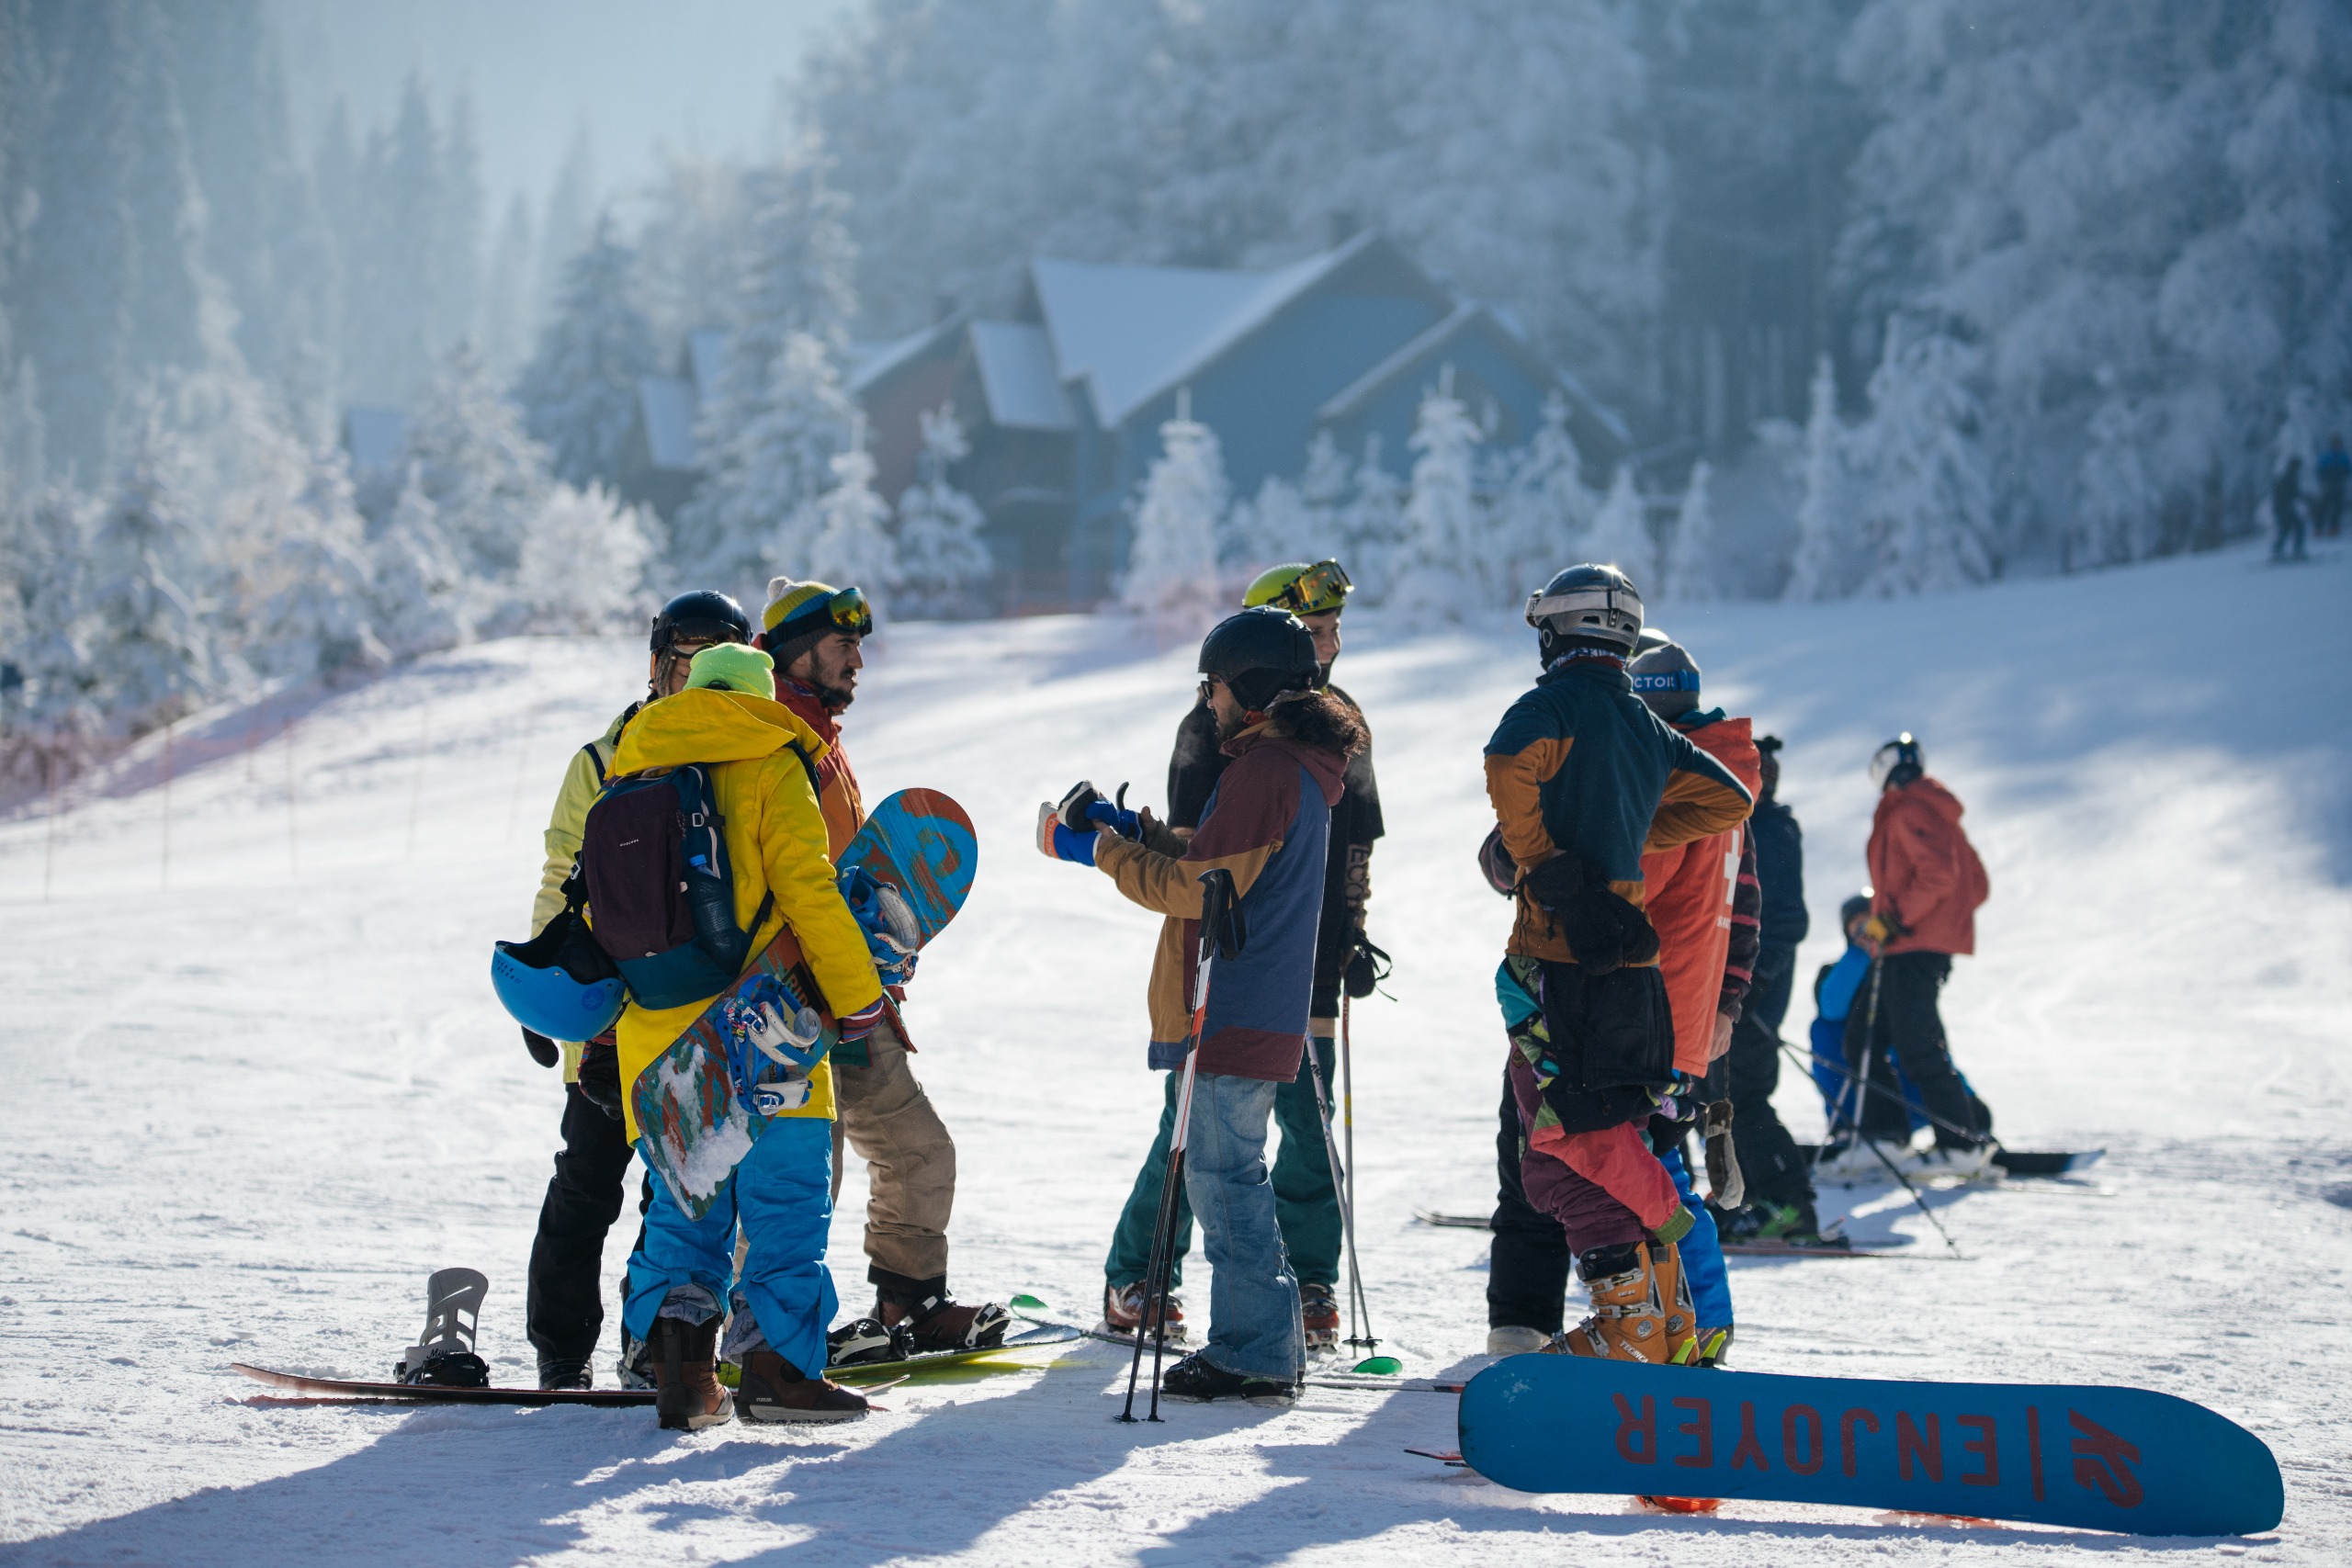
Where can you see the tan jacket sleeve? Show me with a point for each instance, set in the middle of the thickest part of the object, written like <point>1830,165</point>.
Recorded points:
<point>1169,884</point>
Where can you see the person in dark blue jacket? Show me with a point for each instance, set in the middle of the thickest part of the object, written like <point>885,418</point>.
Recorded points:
<point>1779,1188</point>
<point>1267,823</point>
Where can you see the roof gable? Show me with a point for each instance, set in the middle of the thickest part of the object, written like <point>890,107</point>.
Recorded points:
<point>1018,378</point>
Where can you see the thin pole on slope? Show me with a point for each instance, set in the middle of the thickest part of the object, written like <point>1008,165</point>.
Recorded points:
<point>1356,1298</point>
<point>1348,1139</point>
<point>1856,1086</point>
<point>1894,1170</point>
<point>416,788</point>
<point>164,879</point>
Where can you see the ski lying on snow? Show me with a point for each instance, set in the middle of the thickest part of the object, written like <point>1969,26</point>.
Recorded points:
<point>2012,1162</point>
<point>1377,1382</point>
<point>1451,1221</point>
<point>1829,1247</point>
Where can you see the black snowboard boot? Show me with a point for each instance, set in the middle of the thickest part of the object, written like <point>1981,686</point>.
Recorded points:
<point>868,1340</point>
<point>686,1371</point>
<point>773,1389</point>
<point>1195,1380</point>
<point>565,1371</point>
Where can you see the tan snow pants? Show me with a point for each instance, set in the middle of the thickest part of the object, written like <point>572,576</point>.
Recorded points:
<point>886,1118</point>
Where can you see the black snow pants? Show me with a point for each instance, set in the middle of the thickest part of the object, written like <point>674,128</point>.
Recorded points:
<point>1769,1165</point>
<point>1527,1275</point>
<point>1912,1031</point>
<point>565,1311</point>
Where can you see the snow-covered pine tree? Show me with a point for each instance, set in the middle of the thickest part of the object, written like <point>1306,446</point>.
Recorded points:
<point>315,621</point>
<point>756,508</point>
<point>1620,534</point>
<point>486,479</point>
<point>944,561</point>
<point>780,414</point>
<point>1447,533</point>
<point>579,392</point>
<point>583,567</point>
<point>422,600</point>
<point>1372,525</point>
<point>154,654</point>
<point>509,300</point>
<point>1819,568</point>
<point>1690,563</point>
<point>1926,504</point>
<point>853,546</point>
<point>58,713</point>
<point>2118,511</point>
<point>1171,561</point>
<point>1545,508</point>
<point>1275,525</point>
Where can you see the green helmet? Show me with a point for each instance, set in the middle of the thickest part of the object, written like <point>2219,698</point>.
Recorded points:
<point>1301,588</point>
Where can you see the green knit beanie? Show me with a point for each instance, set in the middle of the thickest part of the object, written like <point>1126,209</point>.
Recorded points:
<point>733,667</point>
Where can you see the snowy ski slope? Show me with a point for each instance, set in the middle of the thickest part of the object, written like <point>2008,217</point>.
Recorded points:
<point>257,1087</point>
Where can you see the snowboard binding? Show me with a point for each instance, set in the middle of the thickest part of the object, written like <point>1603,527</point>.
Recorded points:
<point>445,1357</point>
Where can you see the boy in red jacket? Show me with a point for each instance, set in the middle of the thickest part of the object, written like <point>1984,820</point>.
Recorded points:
<point>1930,884</point>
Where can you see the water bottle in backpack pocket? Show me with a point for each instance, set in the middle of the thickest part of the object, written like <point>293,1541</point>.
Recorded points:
<point>660,889</point>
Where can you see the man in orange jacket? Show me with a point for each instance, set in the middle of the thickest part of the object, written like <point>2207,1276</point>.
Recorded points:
<point>1930,884</point>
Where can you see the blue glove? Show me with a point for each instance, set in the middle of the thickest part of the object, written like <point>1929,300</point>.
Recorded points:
<point>892,937</point>
<point>1061,843</point>
<point>1084,803</point>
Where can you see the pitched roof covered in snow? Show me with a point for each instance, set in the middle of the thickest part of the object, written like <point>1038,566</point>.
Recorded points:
<point>1015,362</point>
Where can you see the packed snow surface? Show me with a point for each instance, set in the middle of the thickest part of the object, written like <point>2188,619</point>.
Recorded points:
<point>258,1089</point>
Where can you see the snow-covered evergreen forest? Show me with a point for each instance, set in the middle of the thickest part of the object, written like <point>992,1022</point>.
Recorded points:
<point>1896,296</point>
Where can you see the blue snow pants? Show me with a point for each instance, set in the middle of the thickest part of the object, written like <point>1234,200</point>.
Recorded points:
<point>782,1195</point>
<point>1703,1251</point>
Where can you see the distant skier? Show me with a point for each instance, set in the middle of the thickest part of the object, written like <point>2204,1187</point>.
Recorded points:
<point>565,1310</point>
<point>2287,512</point>
<point>815,632</point>
<point>762,760</point>
<point>1780,1188</point>
<point>2333,471</point>
<point>1928,885</point>
<point>1268,822</point>
<point>1583,777</point>
<point>1834,989</point>
<point>1306,1204</point>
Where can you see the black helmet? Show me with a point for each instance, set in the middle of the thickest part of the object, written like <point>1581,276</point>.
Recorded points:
<point>1260,654</point>
<point>703,615</point>
<point>1598,604</point>
<point>1897,762</point>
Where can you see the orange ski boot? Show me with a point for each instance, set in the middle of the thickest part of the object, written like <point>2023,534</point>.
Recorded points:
<point>1674,1292</point>
<point>1628,1321</point>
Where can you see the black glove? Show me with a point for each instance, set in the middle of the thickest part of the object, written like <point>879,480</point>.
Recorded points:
<point>544,1051</point>
<point>1367,966</point>
<point>1604,930</point>
<point>599,1076</point>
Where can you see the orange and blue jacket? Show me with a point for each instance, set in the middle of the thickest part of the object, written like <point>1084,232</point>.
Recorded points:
<point>1580,765</point>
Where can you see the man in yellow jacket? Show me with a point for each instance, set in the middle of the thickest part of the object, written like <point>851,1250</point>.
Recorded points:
<point>565,1309</point>
<point>761,760</point>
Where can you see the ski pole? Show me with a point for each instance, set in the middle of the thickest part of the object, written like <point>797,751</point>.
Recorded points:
<point>1348,1130</point>
<point>1899,1098</point>
<point>1858,1087</point>
<point>1221,936</point>
<point>1356,1297</point>
<point>1892,1169</point>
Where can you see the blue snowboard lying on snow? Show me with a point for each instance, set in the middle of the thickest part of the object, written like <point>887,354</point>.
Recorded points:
<point>2108,1459</point>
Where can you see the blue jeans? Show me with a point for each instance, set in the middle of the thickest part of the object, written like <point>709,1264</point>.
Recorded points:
<point>1702,1250</point>
<point>1253,1297</point>
<point>782,1195</point>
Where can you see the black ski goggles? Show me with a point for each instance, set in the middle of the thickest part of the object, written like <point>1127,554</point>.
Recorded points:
<point>1323,586</point>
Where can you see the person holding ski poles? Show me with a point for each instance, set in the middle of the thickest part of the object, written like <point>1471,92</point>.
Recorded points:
<point>1928,884</point>
<point>762,764</point>
<point>1306,1204</point>
<point>815,633</point>
<point>1267,824</point>
<point>564,1309</point>
<point>1583,778</point>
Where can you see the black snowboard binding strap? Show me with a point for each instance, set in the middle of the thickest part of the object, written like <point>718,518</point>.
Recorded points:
<point>445,1357</point>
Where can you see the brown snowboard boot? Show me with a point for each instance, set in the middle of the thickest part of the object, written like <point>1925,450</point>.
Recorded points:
<point>1628,1321</point>
<point>1674,1293</point>
<point>685,1375</point>
<point>775,1390</point>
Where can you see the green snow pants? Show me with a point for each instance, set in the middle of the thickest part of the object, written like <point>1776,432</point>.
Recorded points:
<point>1305,1207</point>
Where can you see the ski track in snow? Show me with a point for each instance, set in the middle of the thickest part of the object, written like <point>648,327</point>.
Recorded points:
<point>253,1109</point>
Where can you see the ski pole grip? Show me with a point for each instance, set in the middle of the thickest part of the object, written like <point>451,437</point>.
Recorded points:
<point>1221,925</point>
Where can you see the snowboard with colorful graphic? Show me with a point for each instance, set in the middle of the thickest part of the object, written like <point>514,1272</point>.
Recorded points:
<point>695,1127</point>
<point>2077,1456</point>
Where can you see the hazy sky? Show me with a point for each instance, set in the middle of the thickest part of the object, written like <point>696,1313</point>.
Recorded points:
<point>698,76</point>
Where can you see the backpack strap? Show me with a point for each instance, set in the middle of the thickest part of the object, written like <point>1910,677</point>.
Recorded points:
<point>808,767</point>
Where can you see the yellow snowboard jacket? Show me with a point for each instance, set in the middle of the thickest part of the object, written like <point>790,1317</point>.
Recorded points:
<point>776,840</point>
<point>584,777</point>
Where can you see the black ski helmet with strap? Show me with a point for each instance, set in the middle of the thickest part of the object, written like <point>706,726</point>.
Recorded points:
<point>703,615</point>
<point>1589,603</point>
<point>1260,654</point>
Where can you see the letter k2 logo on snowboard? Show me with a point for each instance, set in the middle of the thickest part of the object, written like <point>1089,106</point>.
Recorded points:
<point>2103,1461</point>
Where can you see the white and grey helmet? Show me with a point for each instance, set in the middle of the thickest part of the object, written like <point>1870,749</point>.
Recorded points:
<point>1596,602</point>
